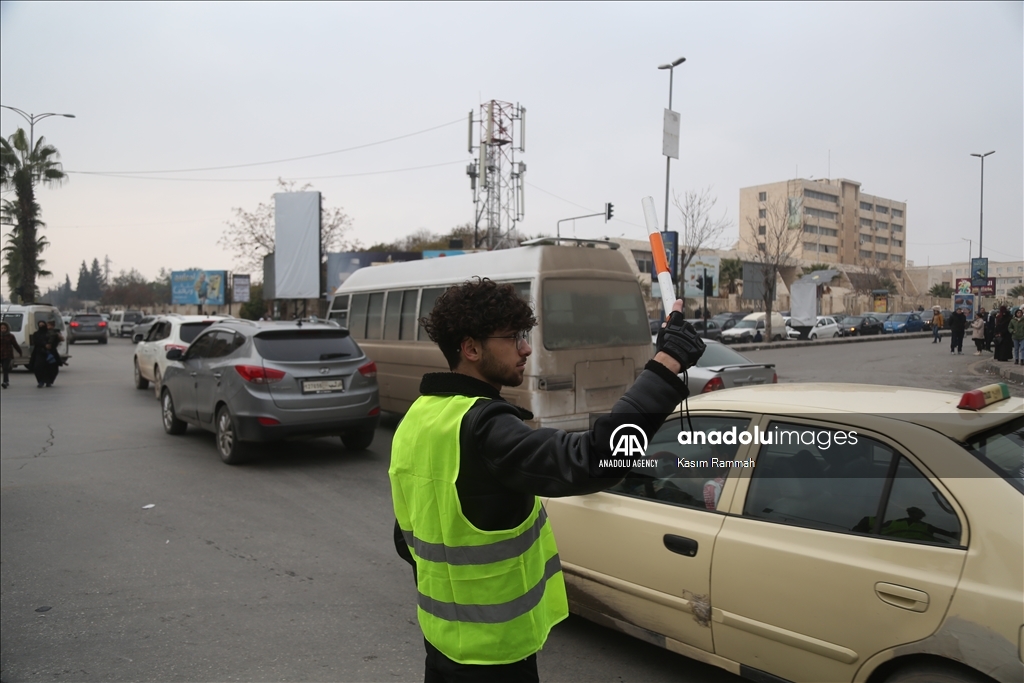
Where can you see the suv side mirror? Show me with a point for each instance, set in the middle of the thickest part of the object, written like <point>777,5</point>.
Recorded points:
<point>175,354</point>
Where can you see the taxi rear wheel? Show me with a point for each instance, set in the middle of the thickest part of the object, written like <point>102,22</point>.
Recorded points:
<point>936,672</point>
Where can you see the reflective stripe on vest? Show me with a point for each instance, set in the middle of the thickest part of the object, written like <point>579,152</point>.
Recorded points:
<point>485,597</point>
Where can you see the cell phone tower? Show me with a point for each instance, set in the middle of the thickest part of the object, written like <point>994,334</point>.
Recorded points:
<point>495,176</point>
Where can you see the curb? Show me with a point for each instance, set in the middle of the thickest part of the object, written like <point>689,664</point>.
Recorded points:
<point>795,344</point>
<point>1005,369</point>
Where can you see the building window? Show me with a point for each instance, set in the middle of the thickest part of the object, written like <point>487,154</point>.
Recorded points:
<point>882,240</point>
<point>828,215</point>
<point>864,239</point>
<point>810,246</point>
<point>881,209</point>
<point>897,213</point>
<point>866,222</point>
<point>821,196</point>
<point>880,257</point>
<point>865,254</point>
<point>897,243</point>
<point>762,196</point>
<point>760,230</point>
<point>828,249</point>
<point>895,257</point>
<point>881,225</point>
<point>999,269</point>
<point>762,213</point>
<point>866,206</point>
<point>897,228</point>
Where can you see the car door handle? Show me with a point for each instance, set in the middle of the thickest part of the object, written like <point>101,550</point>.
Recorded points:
<point>218,374</point>
<point>193,374</point>
<point>681,545</point>
<point>901,596</point>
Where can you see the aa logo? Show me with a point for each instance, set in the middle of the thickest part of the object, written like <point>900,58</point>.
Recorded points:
<point>628,441</point>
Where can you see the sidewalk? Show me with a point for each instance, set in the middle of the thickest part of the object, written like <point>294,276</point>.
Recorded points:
<point>1005,369</point>
<point>836,340</point>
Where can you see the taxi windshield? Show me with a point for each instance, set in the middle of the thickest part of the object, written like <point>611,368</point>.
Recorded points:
<point>1002,450</point>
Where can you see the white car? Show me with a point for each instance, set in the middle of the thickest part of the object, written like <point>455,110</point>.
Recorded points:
<point>168,332</point>
<point>825,328</point>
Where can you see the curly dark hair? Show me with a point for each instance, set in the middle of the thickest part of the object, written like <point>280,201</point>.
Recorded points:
<point>477,308</point>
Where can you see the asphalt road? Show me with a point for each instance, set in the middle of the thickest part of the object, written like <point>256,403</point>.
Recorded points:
<point>280,570</point>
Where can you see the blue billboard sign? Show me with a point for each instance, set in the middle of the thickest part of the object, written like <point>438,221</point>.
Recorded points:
<point>198,287</point>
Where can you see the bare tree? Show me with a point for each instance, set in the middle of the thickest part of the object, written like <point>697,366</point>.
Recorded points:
<point>250,235</point>
<point>700,229</point>
<point>782,229</point>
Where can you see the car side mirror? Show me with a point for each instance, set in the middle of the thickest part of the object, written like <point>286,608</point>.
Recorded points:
<point>175,354</point>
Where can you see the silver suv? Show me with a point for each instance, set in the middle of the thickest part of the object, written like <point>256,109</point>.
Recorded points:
<point>264,381</point>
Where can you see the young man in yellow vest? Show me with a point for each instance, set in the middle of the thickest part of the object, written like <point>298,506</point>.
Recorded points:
<point>466,473</point>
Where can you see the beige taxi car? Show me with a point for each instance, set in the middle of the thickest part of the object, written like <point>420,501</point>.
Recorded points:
<point>816,532</point>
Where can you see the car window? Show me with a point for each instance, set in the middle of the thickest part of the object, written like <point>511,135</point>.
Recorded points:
<point>221,343</point>
<point>717,355</point>
<point>306,345</point>
<point>838,480</point>
<point>189,331</point>
<point>200,348</point>
<point>686,474</point>
<point>14,320</point>
<point>1002,450</point>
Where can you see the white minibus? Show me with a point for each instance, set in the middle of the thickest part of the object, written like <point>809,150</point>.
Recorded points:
<point>591,341</point>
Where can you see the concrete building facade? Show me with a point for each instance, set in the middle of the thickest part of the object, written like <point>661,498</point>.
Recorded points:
<point>1007,274</point>
<point>838,222</point>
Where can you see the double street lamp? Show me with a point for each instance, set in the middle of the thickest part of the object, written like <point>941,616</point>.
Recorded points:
<point>32,118</point>
<point>981,216</point>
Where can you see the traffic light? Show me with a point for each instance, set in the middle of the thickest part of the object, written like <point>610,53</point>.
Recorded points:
<point>608,209</point>
<point>709,282</point>
<point>700,282</point>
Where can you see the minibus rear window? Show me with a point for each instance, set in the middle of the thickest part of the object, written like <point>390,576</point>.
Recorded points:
<point>14,320</point>
<point>587,313</point>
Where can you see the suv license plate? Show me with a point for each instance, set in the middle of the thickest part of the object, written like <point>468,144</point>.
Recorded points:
<point>322,386</point>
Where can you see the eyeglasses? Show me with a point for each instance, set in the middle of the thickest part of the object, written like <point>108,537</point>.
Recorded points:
<point>520,338</point>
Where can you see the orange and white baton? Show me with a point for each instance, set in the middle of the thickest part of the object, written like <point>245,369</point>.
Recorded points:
<point>658,250</point>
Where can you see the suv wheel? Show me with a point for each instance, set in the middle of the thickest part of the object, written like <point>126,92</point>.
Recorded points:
<point>172,425</point>
<point>935,672</point>
<point>358,441</point>
<point>231,450</point>
<point>140,381</point>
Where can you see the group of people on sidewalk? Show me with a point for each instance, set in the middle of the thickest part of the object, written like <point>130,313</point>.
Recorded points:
<point>45,359</point>
<point>998,332</point>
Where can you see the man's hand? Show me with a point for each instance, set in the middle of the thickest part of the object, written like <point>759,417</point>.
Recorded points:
<point>678,339</point>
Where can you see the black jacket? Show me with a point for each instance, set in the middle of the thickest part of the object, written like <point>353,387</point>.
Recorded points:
<point>504,463</point>
<point>958,322</point>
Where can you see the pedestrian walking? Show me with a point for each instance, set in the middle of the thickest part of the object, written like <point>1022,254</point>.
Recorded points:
<point>1002,346</point>
<point>38,355</point>
<point>466,473</point>
<point>978,332</point>
<point>8,345</point>
<point>957,328</point>
<point>54,338</point>
<point>1016,328</point>
<point>937,323</point>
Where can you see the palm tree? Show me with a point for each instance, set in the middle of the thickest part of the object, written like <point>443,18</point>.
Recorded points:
<point>942,290</point>
<point>22,166</point>
<point>730,270</point>
<point>1017,291</point>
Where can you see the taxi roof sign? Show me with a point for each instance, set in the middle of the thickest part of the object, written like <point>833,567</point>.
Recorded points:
<point>985,396</point>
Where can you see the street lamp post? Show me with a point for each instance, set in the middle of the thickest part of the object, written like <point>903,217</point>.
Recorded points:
<point>981,213</point>
<point>970,251</point>
<point>668,160</point>
<point>32,118</point>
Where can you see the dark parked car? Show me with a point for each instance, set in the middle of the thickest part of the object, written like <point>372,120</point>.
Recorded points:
<point>87,326</point>
<point>265,381</point>
<point>859,325</point>
<point>726,321</point>
<point>713,331</point>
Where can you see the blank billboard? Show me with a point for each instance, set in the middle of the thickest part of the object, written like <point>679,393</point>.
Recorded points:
<point>297,245</point>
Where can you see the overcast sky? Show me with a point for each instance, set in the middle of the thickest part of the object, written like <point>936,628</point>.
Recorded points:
<point>896,95</point>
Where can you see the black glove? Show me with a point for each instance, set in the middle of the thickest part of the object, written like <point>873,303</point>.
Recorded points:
<point>679,340</point>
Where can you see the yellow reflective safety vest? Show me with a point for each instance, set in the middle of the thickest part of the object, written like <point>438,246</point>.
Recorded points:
<point>485,597</point>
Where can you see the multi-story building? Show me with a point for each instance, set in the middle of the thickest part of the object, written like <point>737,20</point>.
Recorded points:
<point>838,222</point>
